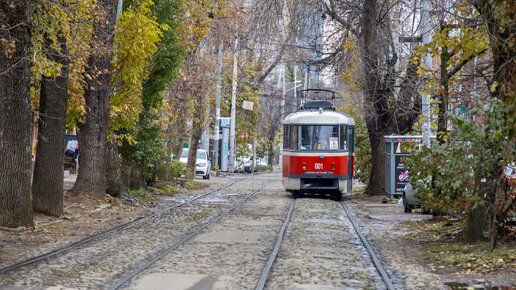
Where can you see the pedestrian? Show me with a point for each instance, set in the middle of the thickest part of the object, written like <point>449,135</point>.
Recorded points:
<point>76,158</point>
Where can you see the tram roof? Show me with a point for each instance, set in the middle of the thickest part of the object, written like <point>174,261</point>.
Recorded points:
<point>313,117</point>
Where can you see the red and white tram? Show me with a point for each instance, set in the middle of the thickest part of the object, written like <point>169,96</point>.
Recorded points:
<point>318,145</point>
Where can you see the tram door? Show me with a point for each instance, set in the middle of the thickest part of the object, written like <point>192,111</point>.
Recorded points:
<point>351,160</point>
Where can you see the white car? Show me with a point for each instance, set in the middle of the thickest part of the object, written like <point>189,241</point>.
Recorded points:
<point>249,162</point>
<point>202,163</point>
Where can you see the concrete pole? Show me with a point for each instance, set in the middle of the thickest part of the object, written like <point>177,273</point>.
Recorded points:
<point>232,143</point>
<point>119,8</point>
<point>425,32</point>
<point>283,92</point>
<point>218,96</point>
<point>295,85</point>
<point>306,79</point>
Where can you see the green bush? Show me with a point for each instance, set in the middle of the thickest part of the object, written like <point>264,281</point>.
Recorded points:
<point>443,176</point>
<point>176,169</point>
<point>465,171</point>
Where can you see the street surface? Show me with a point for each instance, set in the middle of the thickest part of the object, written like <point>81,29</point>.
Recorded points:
<point>320,249</point>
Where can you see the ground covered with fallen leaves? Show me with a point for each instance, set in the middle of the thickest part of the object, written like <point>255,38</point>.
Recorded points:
<point>436,245</point>
<point>84,216</point>
<point>445,252</point>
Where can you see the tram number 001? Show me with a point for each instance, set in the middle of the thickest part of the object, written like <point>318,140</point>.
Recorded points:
<point>318,166</point>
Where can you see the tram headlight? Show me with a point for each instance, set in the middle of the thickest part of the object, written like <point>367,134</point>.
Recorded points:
<point>304,166</point>
<point>333,166</point>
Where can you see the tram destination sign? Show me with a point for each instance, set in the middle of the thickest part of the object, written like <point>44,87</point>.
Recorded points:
<point>319,172</point>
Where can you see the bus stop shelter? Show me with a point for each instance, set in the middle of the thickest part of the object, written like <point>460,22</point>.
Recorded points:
<point>397,149</point>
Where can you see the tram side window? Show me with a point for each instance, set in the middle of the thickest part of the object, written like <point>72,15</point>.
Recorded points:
<point>306,137</point>
<point>294,138</point>
<point>286,132</point>
<point>351,138</point>
<point>343,138</point>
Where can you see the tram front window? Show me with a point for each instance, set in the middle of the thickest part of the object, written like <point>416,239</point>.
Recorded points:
<point>320,137</point>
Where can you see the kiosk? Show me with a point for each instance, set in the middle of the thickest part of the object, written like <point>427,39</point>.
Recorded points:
<point>397,149</point>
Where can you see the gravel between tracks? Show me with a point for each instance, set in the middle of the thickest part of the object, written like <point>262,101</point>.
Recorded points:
<point>227,255</point>
<point>96,266</point>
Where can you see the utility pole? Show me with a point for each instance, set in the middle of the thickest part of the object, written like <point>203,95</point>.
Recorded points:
<point>119,8</point>
<point>218,96</point>
<point>425,33</point>
<point>233,111</point>
<point>295,83</point>
<point>283,93</point>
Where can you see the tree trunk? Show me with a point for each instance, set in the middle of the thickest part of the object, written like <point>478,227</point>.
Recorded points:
<point>376,185</point>
<point>270,154</point>
<point>115,185</point>
<point>476,224</point>
<point>15,114</point>
<point>194,140</point>
<point>499,17</point>
<point>373,105</point>
<point>443,97</point>
<point>47,185</point>
<point>91,179</point>
<point>133,177</point>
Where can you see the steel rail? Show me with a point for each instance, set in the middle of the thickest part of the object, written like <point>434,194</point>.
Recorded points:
<point>101,234</point>
<point>120,282</point>
<point>272,257</point>
<point>376,261</point>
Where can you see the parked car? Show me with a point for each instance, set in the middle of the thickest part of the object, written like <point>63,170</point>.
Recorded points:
<point>248,163</point>
<point>509,181</point>
<point>410,200</point>
<point>202,162</point>
<point>240,164</point>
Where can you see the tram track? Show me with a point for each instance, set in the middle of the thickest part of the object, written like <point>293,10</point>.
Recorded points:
<point>86,242</point>
<point>125,279</point>
<point>264,276</point>
<point>374,258</point>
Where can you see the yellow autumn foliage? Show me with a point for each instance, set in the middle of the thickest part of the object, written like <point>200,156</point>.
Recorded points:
<point>136,41</point>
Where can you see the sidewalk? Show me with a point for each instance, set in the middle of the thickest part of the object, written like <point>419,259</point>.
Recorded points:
<point>69,181</point>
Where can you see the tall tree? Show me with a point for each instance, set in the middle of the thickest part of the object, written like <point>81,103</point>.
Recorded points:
<point>387,109</point>
<point>47,184</point>
<point>91,179</point>
<point>147,149</point>
<point>51,34</point>
<point>459,39</point>
<point>15,120</point>
<point>500,19</point>
<point>136,41</point>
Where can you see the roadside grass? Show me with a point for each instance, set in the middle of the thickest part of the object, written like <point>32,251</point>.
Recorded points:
<point>168,190</point>
<point>472,257</point>
<point>194,185</point>
<point>443,245</point>
<point>146,195</point>
<point>436,229</point>
<point>142,195</point>
<point>54,229</point>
